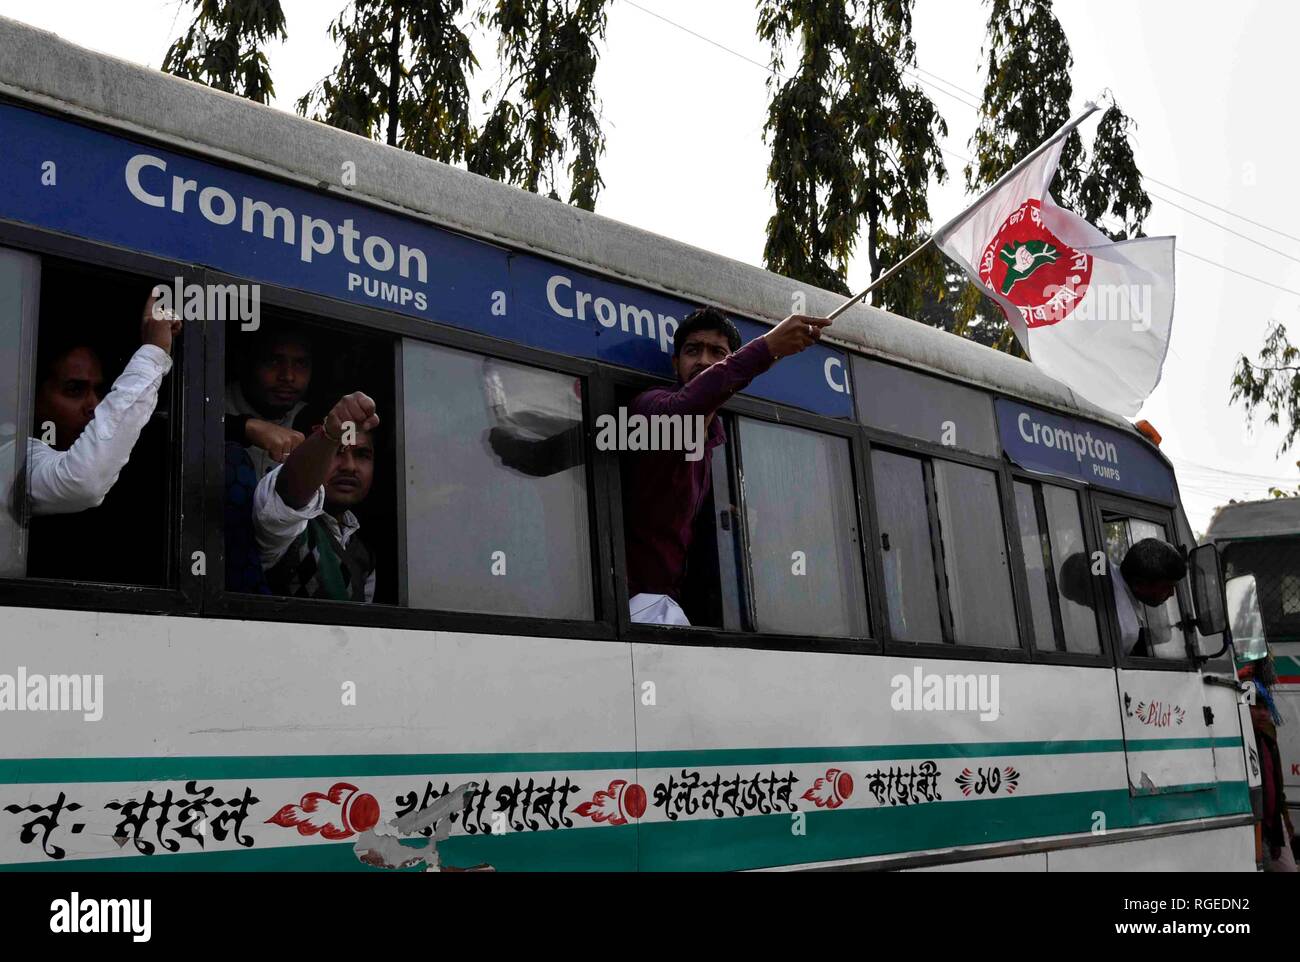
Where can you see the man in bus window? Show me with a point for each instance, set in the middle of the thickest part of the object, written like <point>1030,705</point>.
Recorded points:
<point>262,404</point>
<point>306,531</point>
<point>663,490</point>
<point>84,438</point>
<point>1149,574</point>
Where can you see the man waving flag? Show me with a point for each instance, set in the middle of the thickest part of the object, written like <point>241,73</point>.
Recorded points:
<point>1091,312</point>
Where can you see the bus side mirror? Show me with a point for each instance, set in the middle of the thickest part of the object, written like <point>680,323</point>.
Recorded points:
<point>1207,590</point>
<point>1246,618</point>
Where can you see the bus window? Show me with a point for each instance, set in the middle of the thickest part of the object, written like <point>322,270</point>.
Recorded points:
<point>89,473</point>
<point>805,558</point>
<point>975,555</point>
<point>19,301</point>
<point>1159,635</point>
<point>1275,563</point>
<point>901,401</point>
<point>1061,596</point>
<point>911,593</point>
<point>943,518</point>
<point>282,382</point>
<point>497,516</point>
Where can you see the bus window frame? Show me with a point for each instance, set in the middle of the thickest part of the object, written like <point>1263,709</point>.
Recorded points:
<point>184,594</point>
<point>926,452</point>
<point>341,316</point>
<point>1105,658</point>
<point>694,636</point>
<point>1163,515</point>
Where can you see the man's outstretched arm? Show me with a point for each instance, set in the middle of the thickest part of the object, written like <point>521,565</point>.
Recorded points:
<point>712,387</point>
<point>309,465</point>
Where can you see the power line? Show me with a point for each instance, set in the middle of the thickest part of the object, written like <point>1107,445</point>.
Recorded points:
<point>1224,227</point>
<point>1224,210</point>
<point>1223,471</point>
<point>700,36</point>
<point>768,68</point>
<point>1249,277</point>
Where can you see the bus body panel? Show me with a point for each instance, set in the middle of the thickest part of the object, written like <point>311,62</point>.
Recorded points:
<point>227,710</point>
<point>229,745</point>
<point>858,768</point>
<point>1169,745</point>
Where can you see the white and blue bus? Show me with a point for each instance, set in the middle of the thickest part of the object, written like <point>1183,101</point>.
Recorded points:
<point>894,663</point>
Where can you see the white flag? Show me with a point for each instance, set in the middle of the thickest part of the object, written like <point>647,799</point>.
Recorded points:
<point>1093,313</point>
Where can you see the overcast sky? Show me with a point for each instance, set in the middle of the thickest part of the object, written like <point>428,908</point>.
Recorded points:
<point>1210,91</point>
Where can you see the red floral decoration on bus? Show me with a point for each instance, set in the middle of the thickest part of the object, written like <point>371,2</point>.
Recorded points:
<point>617,804</point>
<point>832,790</point>
<point>341,812</point>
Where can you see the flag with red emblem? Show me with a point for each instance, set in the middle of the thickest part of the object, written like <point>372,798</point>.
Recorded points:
<point>1091,312</point>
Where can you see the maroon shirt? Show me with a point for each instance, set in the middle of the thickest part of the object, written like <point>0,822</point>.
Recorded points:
<point>662,491</point>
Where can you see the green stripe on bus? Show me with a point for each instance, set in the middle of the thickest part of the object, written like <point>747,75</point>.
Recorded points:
<point>17,771</point>
<point>752,841</point>
<point>859,833</point>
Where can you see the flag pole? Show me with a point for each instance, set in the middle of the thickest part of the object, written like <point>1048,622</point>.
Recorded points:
<point>1089,109</point>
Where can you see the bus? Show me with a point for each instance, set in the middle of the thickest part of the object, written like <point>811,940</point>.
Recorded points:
<point>904,652</point>
<point>1262,539</point>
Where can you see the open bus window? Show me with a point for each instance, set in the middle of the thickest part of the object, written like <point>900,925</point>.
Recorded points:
<point>1062,600</point>
<point>756,534</point>
<point>1157,634</point>
<point>497,516</point>
<point>282,381</point>
<point>86,462</point>
<point>805,561</point>
<point>943,551</point>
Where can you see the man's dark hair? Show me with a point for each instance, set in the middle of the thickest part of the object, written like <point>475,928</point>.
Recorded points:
<point>270,335</point>
<point>706,319</point>
<point>1153,560</point>
<point>51,350</point>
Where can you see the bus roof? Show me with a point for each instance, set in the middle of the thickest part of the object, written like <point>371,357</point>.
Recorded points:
<point>1255,519</point>
<point>39,68</point>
